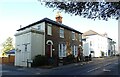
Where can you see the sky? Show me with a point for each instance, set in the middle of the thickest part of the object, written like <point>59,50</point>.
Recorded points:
<point>14,13</point>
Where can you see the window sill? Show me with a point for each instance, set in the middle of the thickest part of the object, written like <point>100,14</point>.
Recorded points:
<point>73,39</point>
<point>61,37</point>
<point>49,34</point>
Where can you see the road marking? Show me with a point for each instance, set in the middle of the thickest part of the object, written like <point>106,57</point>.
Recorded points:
<point>93,69</point>
<point>38,73</point>
<point>20,69</point>
<point>81,64</point>
<point>107,64</point>
<point>100,67</point>
<point>4,71</point>
<point>105,70</point>
<point>89,61</point>
<point>116,63</point>
<point>76,64</point>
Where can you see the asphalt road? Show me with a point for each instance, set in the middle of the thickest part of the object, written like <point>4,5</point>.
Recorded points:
<point>103,66</point>
<point>107,66</point>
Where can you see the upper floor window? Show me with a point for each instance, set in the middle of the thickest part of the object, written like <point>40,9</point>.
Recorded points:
<point>73,35</point>
<point>49,29</point>
<point>80,37</point>
<point>39,27</point>
<point>25,47</point>
<point>62,32</point>
<point>90,43</point>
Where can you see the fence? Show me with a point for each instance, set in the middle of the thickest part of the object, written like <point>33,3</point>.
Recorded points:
<point>7,60</point>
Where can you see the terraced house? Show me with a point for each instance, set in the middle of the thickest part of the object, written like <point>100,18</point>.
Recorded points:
<point>47,37</point>
<point>98,45</point>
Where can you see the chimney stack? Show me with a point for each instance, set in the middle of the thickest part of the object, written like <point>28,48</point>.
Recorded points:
<point>58,17</point>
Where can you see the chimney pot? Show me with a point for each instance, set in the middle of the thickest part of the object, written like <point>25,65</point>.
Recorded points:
<point>58,17</point>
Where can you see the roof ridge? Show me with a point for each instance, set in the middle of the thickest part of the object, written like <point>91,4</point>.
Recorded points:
<point>51,21</point>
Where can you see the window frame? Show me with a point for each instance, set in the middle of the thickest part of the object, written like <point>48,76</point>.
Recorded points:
<point>90,43</point>
<point>61,33</point>
<point>73,37</point>
<point>39,27</point>
<point>74,49</point>
<point>80,37</point>
<point>25,47</point>
<point>49,29</point>
<point>62,50</point>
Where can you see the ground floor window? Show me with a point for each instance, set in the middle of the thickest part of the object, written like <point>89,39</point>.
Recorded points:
<point>74,50</point>
<point>62,50</point>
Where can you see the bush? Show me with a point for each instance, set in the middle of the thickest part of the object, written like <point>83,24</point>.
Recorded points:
<point>40,60</point>
<point>69,59</point>
<point>117,54</point>
<point>86,58</point>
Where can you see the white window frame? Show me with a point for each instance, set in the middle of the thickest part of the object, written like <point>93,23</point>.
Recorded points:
<point>49,29</point>
<point>26,48</point>
<point>73,37</point>
<point>62,33</point>
<point>90,43</point>
<point>80,37</point>
<point>74,50</point>
<point>62,50</point>
<point>39,27</point>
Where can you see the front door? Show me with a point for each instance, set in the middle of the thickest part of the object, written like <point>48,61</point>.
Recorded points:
<point>49,50</point>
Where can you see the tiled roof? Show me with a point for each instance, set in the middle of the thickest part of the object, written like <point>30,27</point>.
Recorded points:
<point>90,32</point>
<point>52,22</point>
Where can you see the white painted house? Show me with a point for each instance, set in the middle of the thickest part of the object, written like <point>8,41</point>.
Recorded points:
<point>27,41</point>
<point>96,44</point>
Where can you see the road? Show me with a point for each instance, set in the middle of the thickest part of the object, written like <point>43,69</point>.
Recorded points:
<point>103,66</point>
<point>108,66</point>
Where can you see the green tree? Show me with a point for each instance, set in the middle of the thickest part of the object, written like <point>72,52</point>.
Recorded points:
<point>91,10</point>
<point>7,45</point>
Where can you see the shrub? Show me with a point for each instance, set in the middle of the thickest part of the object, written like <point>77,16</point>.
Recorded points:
<point>86,58</point>
<point>40,60</point>
<point>69,59</point>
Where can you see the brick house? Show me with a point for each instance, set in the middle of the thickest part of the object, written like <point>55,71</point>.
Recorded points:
<point>47,37</point>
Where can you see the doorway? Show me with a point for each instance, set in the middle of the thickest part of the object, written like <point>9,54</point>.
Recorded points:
<point>49,48</point>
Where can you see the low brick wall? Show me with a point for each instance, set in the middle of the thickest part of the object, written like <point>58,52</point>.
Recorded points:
<point>7,60</point>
